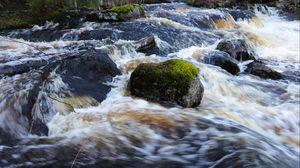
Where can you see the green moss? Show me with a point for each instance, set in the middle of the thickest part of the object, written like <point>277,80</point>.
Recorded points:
<point>190,2</point>
<point>180,71</point>
<point>173,81</point>
<point>142,8</point>
<point>174,75</point>
<point>120,10</point>
<point>23,18</point>
<point>125,8</point>
<point>166,81</point>
<point>14,19</point>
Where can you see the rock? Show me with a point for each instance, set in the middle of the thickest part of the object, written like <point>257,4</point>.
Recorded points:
<point>117,13</point>
<point>145,44</point>
<point>241,14</point>
<point>223,60</point>
<point>127,12</point>
<point>261,70</point>
<point>172,82</point>
<point>69,19</point>
<point>98,16</point>
<point>290,8</point>
<point>238,49</point>
<point>149,46</point>
<point>86,74</point>
<point>19,109</point>
<point>30,97</point>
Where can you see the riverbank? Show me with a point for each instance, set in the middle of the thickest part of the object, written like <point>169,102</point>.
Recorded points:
<point>28,13</point>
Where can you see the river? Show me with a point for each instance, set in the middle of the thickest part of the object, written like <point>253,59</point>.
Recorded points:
<point>243,121</point>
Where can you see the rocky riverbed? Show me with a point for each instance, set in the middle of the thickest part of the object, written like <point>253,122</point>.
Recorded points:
<point>65,99</point>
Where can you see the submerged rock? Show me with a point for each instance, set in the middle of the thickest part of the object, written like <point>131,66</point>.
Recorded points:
<point>172,82</point>
<point>238,49</point>
<point>223,60</point>
<point>261,70</point>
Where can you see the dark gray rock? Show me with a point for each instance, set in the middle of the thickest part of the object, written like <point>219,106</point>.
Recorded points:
<point>86,74</point>
<point>241,14</point>
<point>145,44</point>
<point>223,60</point>
<point>238,49</point>
<point>261,70</point>
<point>99,16</point>
<point>30,97</point>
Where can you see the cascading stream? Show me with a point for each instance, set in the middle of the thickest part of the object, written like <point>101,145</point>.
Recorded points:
<point>243,121</point>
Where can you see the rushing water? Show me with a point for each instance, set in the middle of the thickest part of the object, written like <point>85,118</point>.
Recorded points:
<point>243,121</point>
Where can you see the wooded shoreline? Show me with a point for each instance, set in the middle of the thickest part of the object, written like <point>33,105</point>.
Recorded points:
<point>25,13</point>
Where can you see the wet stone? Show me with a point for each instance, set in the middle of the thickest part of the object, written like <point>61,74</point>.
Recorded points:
<point>171,82</point>
<point>261,70</point>
<point>238,49</point>
<point>35,94</point>
<point>223,60</point>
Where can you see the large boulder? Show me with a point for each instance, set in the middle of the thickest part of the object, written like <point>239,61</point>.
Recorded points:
<point>223,60</point>
<point>261,70</point>
<point>171,82</point>
<point>239,49</point>
<point>32,92</point>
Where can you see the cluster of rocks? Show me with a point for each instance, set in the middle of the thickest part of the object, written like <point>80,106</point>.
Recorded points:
<point>176,82</point>
<point>171,83</point>
<point>229,55</point>
<point>33,91</point>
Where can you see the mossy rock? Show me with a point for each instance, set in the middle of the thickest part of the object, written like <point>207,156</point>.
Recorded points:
<point>128,12</point>
<point>126,8</point>
<point>172,82</point>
